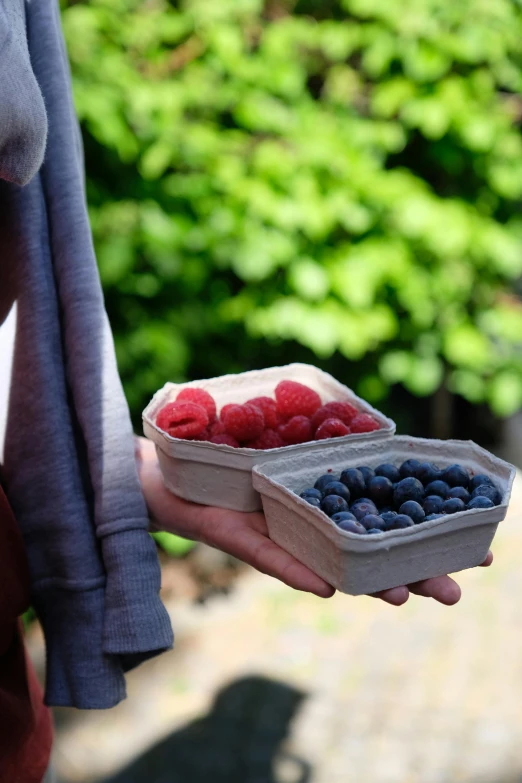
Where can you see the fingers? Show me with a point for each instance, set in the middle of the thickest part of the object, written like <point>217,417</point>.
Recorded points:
<point>443,589</point>
<point>396,596</point>
<point>488,560</point>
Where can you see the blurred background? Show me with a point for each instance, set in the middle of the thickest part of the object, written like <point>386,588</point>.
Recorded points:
<point>337,182</point>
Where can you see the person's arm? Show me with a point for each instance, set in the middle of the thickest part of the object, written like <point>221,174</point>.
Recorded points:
<point>245,536</point>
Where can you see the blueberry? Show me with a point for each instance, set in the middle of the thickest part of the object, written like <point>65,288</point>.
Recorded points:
<point>360,509</point>
<point>432,504</point>
<point>373,532</point>
<point>322,481</point>
<point>380,490</point>
<point>400,521</point>
<point>428,472</point>
<point>480,502</point>
<point>337,488</point>
<point>311,492</point>
<point>408,489</point>
<point>372,521</point>
<point>342,516</point>
<point>456,476</point>
<point>368,473</point>
<point>313,502</point>
<point>354,480</point>
<point>388,517</point>
<point>459,492</point>
<point>487,491</point>
<point>389,471</point>
<point>410,468</point>
<point>332,504</point>
<point>384,510</point>
<point>439,488</point>
<point>479,479</point>
<point>453,506</point>
<point>349,526</point>
<point>433,516</point>
<point>414,510</point>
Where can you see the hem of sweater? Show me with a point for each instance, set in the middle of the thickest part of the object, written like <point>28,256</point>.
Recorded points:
<point>137,626</point>
<point>78,671</point>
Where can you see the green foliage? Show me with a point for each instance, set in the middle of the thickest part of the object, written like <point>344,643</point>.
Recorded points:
<point>339,179</point>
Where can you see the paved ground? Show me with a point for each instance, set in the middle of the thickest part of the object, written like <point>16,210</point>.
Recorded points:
<point>271,686</point>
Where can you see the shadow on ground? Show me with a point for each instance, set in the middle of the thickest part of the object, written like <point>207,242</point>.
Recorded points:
<point>238,741</point>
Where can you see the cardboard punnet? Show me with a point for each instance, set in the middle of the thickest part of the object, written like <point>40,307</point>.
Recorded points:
<point>220,475</point>
<point>360,564</point>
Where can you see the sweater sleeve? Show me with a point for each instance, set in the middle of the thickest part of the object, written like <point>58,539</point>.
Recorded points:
<point>23,120</point>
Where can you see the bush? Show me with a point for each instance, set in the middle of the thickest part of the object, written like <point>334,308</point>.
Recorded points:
<point>338,180</point>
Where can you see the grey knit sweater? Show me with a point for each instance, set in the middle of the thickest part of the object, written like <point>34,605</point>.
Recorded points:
<point>68,457</point>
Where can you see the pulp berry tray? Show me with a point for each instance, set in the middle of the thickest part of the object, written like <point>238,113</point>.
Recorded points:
<point>219,475</point>
<point>359,564</point>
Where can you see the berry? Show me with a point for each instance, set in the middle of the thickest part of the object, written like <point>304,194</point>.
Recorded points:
<point>439,488</point>
<point>297,430</point>
<point>373,532</point>
<point>487,491</point>
<point>410,468</point>
<point>363,422</point>
<point>331,428</point>
<point>361,509</point>
<point>428,472</point>
<point>331,504</point>
<point>479,479</point>
<point>389,471</point>
<point>459,492</point>
<point>296,399</point>
<point>433,516</point>
<point>343,411</point>
<point>351,526</point>
<point>313,502</point>
<point>354,480</point>
<point>182,419</point>
<point>456,476</point>
<point>388,517</point>
<point>413,510</point>
<point>322,481</point>
<point>368,473</point>
<point>217,428</point>
<point>342,516</point>
<point>200,397</point>
<point>244,422</point>
<point>269,439</point>
<point>401,521</point>
<point>380,490</point>
<point>268,408</point>
<point>226,408</point>
<point>432,504</point>
<point>311,492</point>
<point>225,440</point>
<point>453,506</point>
<point>373,522</point>
<point>480,501</point>
<point>408,489</point>
<point>203,435</point>
<point>336,488</point>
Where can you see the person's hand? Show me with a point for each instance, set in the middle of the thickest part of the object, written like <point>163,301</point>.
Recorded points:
<point>245,536</point>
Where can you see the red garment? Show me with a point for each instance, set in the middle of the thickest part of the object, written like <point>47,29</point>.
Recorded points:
<point>25,723</point>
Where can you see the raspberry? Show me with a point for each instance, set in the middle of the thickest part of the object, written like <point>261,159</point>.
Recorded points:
<point>269,439</point>
<point>203,435</point>
<point>200,397</point>
<point>343,411</point>
<point>225,408</point>
<point>244,422</point>
<point>217,428</point>
<point>297,430</point>
<point>364,423</point>
<point>182,419</point>
<point>268,408</point>
<point>224,439</point>
<point>296,399</point>
<point>331,428</point>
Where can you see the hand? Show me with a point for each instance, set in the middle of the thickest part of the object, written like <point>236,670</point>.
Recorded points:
<point>245,536</point>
